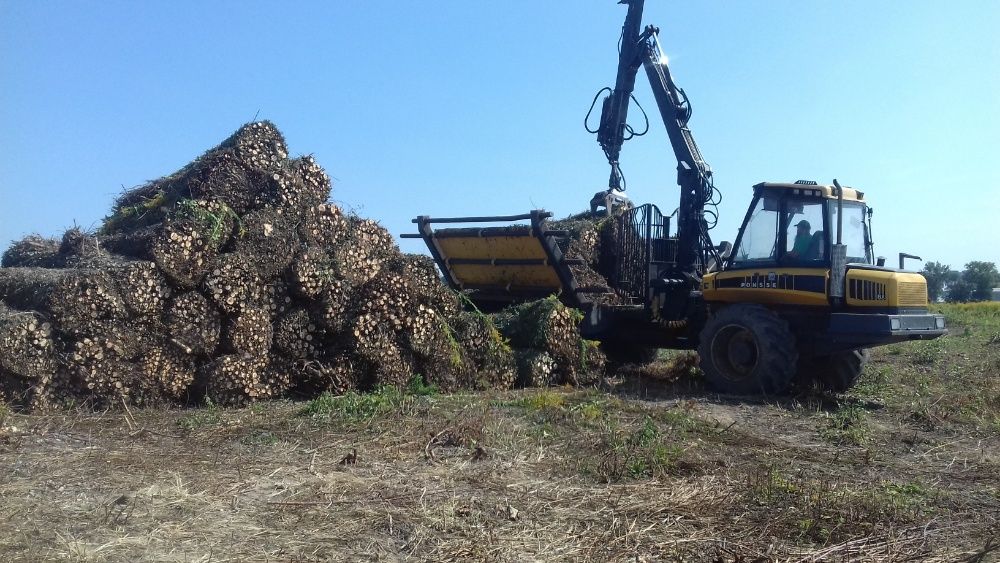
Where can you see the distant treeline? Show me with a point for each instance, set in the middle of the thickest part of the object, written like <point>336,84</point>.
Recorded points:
<point>974,283</point>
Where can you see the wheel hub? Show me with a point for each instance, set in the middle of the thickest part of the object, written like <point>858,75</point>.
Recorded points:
<point>735,351</point>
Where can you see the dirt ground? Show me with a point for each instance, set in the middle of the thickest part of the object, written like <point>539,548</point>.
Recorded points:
<point>651,467</point>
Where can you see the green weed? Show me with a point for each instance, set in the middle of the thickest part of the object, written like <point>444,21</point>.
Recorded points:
<point>366,406</point>
<point>641,453</point>
<point>456,348</point>
<point>537,401</point>
<point>679,418</point>
<point>822,510</point>
<point>874,382</point>
<point>589,410</point>
<point>354,405</point>
<point>848,425</point>
<point>259,438</point>
<point>927,353</point>
<point>905,496</point>
<point>767,486</point>
<point>207,416</point>
<point>133,212</point>
<point>417,387</point>
<point>213,223</point>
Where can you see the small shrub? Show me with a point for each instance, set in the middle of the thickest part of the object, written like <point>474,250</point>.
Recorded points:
<point>417,387</point>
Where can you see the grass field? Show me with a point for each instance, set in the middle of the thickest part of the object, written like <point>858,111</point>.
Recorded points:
<point>651,467</point>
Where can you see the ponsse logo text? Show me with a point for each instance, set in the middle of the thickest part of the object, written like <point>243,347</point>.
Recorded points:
<point>757,281</point>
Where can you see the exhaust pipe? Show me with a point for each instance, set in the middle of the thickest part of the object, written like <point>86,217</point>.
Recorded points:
<point>838,256</point>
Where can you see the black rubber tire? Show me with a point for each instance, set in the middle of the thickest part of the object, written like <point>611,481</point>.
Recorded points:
<point>747,350</point>
<point>836,372</point>
<point>621,354</point>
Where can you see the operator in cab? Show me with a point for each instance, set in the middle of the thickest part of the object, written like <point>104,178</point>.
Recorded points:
<point>803,241</point>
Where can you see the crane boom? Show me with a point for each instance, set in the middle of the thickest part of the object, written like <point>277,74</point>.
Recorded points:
<point>694,175</point>
<point>614,112</point>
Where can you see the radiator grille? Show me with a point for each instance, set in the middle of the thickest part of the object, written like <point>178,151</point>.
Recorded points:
<point>866,290</point>
<point>912,294</point>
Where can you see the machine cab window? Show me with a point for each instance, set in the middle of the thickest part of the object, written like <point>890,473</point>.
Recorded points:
<point>786,230</point>
<point>805,234</point>
<point>758,241</point>
<point>855,235</point>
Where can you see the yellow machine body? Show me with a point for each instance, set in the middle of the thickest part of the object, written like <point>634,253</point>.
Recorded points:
<point>879,288</point>
<point>810,287</point>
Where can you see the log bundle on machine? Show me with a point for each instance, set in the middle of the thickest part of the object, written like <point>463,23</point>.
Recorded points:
<point>236,280</point>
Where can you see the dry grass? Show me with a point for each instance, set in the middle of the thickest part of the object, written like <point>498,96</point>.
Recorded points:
<point>652,469</point>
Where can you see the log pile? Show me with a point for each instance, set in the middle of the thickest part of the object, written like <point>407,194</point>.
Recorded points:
<point>592,240</point>
<point>547,326</point>
<point>236,280</point>
<point>32,250</point>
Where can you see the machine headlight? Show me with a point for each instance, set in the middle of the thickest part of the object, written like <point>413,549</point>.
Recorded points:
<point>939,321</point>
<point>894,324</point>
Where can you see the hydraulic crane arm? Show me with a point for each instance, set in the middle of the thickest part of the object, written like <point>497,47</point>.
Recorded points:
<point>614,130</point>
<point>694,176</point>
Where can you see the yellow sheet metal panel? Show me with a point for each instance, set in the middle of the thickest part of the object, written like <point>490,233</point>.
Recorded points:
<point>768,297</point>
<point>769,286</point>
<point>492,247</point>
<point>502,276</point>
<point>878,288</point>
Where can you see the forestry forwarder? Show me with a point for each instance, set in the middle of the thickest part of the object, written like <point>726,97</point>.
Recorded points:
<point>786,300</point>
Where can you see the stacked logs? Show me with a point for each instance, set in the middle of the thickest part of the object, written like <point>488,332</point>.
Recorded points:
<point>590,241</point>
<point>236,280</point>
<point>193,324</point>
<point>489,352</point>
<point>550,328</point>
<point>29,351</point>
<point>32,250</point>
<point>172,369</point>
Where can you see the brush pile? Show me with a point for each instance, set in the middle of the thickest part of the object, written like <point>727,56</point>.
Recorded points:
<point>234,279</point>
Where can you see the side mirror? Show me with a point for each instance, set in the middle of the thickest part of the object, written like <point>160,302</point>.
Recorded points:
<point>880,261</point>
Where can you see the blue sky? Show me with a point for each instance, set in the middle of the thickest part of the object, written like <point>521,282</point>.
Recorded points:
<point>458,107</point>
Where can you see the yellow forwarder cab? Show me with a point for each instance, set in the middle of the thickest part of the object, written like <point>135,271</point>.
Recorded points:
<point>786,260</point>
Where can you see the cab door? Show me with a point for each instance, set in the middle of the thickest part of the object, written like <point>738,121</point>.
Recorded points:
<point>780,256</point>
